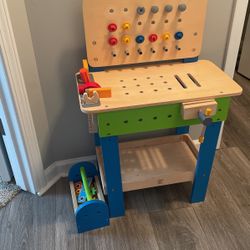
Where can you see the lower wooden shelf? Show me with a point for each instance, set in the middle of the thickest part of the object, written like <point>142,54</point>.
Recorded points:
<point>154,162</point>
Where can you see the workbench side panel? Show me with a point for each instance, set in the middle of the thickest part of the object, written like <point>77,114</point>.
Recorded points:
<point>151,119</point>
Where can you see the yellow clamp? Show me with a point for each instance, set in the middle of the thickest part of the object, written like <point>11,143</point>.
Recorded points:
<point>208,112</point>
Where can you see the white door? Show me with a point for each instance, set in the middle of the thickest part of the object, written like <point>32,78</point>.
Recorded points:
<point>244,67</point>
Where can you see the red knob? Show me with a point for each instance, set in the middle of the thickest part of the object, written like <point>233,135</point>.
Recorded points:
<point>113,41</point>
<point>112,27</point>
<point>153,38</point>
<point>82,87</point>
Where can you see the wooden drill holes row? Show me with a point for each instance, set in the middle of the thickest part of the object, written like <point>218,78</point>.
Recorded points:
<point>140,120</point>
<point>112,10</point>
<point>148,78</point>
<point>142,92</point>
<point>139,85</point>
<point>178,78</point>
<point>141,53</point>
<point>165,21</point>
<point>154,118</point>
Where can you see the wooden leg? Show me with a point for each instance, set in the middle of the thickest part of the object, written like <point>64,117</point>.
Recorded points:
<point>205,162</point>
<point>182,130</point>
<point>111,160</point>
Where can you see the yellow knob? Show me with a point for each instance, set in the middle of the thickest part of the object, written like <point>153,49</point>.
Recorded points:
<point>166,36</point>
<point>126,26</point>
<point>201,139</point>
<point>126,39</point>
<point>208,112</point>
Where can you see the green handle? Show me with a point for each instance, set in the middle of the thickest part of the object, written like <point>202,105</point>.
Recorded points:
<point>85,184</point>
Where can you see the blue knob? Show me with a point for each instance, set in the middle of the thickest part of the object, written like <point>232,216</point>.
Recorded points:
<point>178,35</point>
<point>140,39</point>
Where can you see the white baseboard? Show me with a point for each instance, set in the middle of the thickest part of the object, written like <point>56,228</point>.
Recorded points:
<point>59,169</point>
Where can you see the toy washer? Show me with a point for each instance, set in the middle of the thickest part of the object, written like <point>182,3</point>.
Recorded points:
<point>142,74</point>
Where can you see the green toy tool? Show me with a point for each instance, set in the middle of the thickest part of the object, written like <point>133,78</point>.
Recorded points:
<point>85,184</point>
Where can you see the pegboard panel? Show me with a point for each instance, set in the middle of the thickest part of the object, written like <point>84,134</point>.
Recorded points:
<point>137,31</point>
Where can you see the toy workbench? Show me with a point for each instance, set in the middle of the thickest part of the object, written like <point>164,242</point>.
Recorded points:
<point>142,74</point>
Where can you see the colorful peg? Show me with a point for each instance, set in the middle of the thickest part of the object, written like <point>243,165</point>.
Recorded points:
<point>112,27</point>
<point>112,41</point>
<point>153,38</point>
<point>166,36</point>
<point>126,26</point>
<point>126,39</point>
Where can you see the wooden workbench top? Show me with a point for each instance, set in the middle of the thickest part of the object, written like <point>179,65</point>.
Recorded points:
<point>159,84</point>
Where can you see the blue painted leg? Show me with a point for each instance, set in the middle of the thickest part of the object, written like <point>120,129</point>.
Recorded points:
<point>97,140</point>
<point>205,162</point>
<point>182,130</point>
<point>111,160</point>
<point>190,60</point>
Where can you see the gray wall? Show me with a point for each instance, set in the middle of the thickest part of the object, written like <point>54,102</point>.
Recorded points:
<point>218,23</point>
<point>57,35</point>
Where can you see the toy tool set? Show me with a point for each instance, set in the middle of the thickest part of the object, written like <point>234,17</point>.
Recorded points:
<point>142,74</point>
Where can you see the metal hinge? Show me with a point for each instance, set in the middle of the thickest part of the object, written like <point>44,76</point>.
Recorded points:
<point>2,132</point>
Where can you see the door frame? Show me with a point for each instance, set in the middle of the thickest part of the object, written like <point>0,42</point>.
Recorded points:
<point>21,142</point>
<point>235,35</point>
<point>5,173</point>
<point>234,40</point>
<point>31,176</point>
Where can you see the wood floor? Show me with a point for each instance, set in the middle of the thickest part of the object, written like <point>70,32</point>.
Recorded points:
<point>157,218</point>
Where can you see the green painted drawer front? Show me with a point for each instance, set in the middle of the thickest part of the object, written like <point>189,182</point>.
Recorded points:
<point>151,118</point>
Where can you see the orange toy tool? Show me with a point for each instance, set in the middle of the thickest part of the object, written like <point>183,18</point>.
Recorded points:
<point>102,92</point>
<point>86,85</point>
<point>84,82</point>
<point>83,87</point>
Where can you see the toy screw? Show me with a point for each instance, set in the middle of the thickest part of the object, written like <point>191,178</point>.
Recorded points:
<point>206,121</point>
